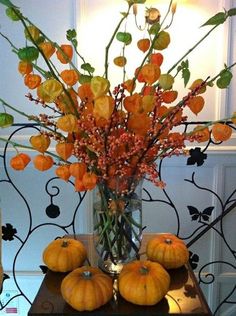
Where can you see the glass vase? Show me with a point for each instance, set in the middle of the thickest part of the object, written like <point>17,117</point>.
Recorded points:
<point>117,219</point>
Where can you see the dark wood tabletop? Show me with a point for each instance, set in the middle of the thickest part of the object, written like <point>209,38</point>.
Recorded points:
<point>183,298</point>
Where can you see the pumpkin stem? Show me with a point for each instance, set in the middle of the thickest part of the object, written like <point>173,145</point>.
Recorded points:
<point>144,270</point>
<point>87,274</point>
<point>65,243</point>
<point>168,241</point>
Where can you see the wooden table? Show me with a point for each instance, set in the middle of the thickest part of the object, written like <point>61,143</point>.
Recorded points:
<point>184,297</point>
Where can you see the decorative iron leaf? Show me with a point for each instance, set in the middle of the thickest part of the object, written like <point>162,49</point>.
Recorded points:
<point>8,232</point>
<point>193,260</point>
<point>196,156</point>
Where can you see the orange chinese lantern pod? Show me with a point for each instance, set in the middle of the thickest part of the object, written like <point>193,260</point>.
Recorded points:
<point>32,32</point>
<point>68,123</point>
<point>48,49</point>
<point>162,41</point>
<point>20,161</point>
<point>89,180</point>
<point>156,58</point>
<point>139,123</point>
<point>78,169</point>
<point>221,132</point>
<point>166,81</point>
<point>67,101</point>
<point>143,44</point>
<point>79,186</point>
<point>150,73</point>
<point>148,103</point>
<point>133,102</point>
<point>32,81</point>
<point>196,84</point>
<point>148,90</point>
<point>40,142</point>
<point>202,133</point>
<point>65,53</point>
<point>103,107</point>
<point>63,172</point>
<point>70,76</point>
<point>120,61</point>
<point>25,67</point>
<point>169,96</point>
<point>129,85</point>
<point>99,86</point>
<point>49,90</point>
<point>196,104</point>
<point>64,150</point>
<point>43,162</point>
<point>85,93</point>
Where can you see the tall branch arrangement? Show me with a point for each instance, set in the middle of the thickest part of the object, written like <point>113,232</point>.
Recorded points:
<point>101,131</point>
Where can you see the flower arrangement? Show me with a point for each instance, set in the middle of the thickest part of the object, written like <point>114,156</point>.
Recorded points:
<point>102,132</point>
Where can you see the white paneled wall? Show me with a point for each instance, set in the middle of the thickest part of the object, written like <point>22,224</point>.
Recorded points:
<point>94,21</point>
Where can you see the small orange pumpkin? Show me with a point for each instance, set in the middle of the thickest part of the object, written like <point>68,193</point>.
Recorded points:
<point>143,282</point>
<point>167,249</point>
<point>63,255</point>
<point>87,288</point>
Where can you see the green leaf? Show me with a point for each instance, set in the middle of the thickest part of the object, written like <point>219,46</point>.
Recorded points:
<point>87,67</point>
<point>124,14</point>
<point>186,76</point>
<point>124,37</point>
<point>70,34</point>
<point>224,80</point>
<point>217,19</point>
<point>84,79</point>
<point>232,12</point>
<point>6,120</point>
<point>154,29</point>
<point>8,3</point>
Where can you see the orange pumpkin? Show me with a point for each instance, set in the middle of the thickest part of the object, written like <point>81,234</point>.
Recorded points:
<point>63,255</point>
<point>143,282</point>
<point>87,288</point>
<point>167,249</point>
